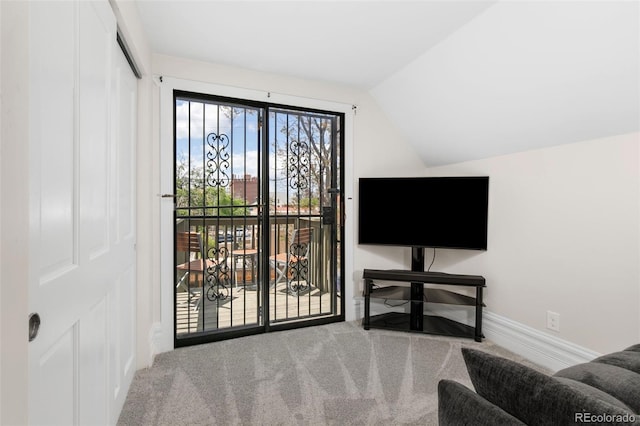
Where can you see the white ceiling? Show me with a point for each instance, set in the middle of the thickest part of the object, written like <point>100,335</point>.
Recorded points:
<point>358,43</point>
<point>521,76</point>
<point>462,79</point>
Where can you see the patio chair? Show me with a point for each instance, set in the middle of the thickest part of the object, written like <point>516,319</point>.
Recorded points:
<point>201,266</point>
<point>293,265</point>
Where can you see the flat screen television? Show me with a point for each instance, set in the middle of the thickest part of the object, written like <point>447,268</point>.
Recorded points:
<point>439,212</point>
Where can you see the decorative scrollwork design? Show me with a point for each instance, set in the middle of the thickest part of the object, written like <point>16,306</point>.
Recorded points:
<point>298,249</point>
<point>299,165</point>
<point>218,160</point>
<point>298,268</point>
<point>217,292</point>
<point>216,287</point>
<point>217,276</point>
<point>221,253</point>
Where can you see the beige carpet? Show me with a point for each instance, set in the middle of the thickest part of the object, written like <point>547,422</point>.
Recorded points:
<point>337,374</point>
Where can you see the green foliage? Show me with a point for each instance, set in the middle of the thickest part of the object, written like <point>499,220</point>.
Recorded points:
<point>191,191</point>
<point>309,202</point>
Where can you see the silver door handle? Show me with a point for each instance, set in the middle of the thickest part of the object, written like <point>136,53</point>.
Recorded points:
<point>168,195</point>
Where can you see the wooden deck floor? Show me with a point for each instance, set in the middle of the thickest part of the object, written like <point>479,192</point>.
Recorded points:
<point>242,308</point>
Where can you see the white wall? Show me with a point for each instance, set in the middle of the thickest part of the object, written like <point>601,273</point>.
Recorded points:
<point>519,76</point>
<point>14,193</point>
<point>564,236</point>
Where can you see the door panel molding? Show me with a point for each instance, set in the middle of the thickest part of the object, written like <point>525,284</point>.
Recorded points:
<point>82,189</point>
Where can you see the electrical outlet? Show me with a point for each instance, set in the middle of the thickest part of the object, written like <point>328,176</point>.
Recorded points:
<point>553,321</point>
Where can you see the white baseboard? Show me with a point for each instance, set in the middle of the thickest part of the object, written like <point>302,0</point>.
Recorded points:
<point>537,346</point>
<point>155,341</point>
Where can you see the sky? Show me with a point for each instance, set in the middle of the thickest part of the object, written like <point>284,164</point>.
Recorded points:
<point>207,119</point>
<point>237,136</point>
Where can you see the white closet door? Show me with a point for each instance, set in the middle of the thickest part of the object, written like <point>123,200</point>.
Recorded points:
<point>82,234</point>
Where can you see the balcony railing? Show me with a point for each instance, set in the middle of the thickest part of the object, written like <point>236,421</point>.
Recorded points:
<point>236,241</point>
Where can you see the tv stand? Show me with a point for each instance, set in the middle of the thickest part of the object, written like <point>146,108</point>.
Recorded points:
<point>417,295</point>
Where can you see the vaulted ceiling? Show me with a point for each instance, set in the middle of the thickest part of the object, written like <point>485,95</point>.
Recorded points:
<point>461,79</point>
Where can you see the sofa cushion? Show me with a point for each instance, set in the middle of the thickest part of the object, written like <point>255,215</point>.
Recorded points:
<point>532,397</point>
<point>618,382</point>
<point>594,392</point>
<point>629,360</point>
<point>634,348</point>
<point>459,405</point>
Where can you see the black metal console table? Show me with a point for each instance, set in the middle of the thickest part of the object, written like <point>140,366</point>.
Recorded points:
<point>417,294</point>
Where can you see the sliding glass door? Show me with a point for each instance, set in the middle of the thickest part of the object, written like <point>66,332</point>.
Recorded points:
<point>257,217</point>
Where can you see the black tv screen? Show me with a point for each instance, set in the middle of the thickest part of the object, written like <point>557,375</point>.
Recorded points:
<point>441,212</point>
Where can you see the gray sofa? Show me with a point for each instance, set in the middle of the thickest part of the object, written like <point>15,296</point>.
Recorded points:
<point>603,391</point>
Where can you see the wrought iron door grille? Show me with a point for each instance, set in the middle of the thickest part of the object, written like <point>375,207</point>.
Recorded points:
<point>258,184</point>
<point>212,168</point>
